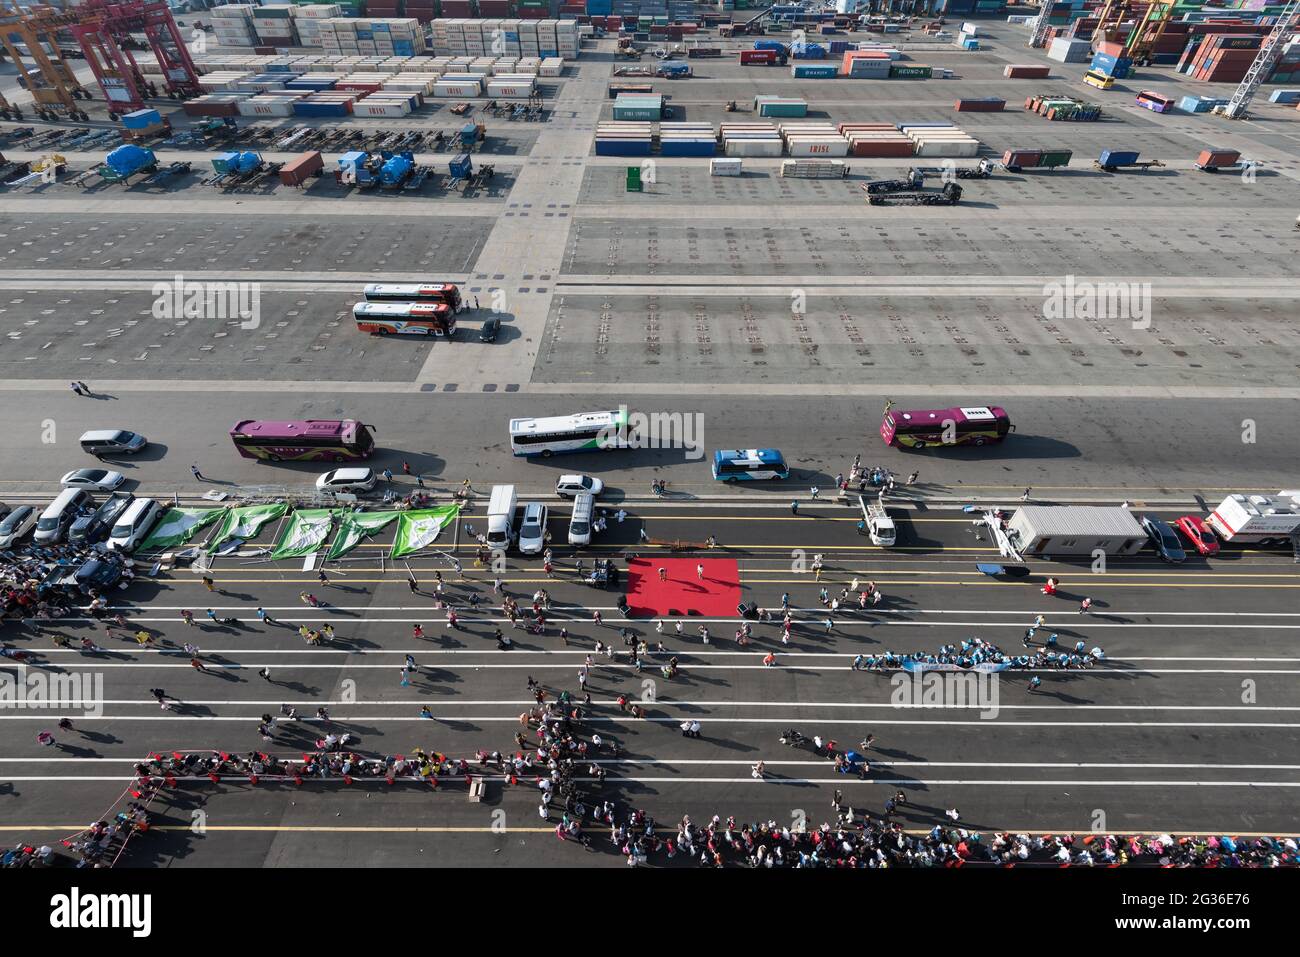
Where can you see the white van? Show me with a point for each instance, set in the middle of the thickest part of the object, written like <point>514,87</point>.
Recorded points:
<point>60,514</point>
<point>134,525</point>
<point>501,516</point>
<point>584,504</point>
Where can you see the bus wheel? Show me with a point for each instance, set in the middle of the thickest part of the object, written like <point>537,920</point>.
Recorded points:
<point>338,458</point>
<point>918,445</point>
<point>732,480</point>
<point>382,331</point>
<point>273,458</point>
<point>978,441</point>
<point>546,453</point>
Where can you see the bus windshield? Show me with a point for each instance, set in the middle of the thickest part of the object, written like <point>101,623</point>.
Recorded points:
<point>965,425</point>
<point>303,440</point>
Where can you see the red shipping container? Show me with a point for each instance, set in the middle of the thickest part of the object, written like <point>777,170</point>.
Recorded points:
<point>1213,159</point>
<point>988,105</point>
<point>882,148</point>
<point>1027,72</point>
<point>757,56</point>
<point>195,108</point>
<point>297,170</point>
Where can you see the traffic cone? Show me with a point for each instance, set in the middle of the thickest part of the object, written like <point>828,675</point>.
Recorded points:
<point>170,781</point>
<point>252,779</point>
<point>347,779</point>
<point>297,780</point>
<point>390,779</point>
<point>212,776</point>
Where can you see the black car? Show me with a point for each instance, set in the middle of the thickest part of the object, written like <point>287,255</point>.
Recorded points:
<point>96,526</point>
<point>491,329</point>
<point>95,573</point>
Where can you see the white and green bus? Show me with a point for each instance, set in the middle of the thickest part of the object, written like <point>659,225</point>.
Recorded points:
<point>583,432</point>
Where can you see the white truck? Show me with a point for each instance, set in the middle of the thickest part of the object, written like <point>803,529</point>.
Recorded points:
<point>501,516</point>
<point>1257,519</point>
<point>878,524</point>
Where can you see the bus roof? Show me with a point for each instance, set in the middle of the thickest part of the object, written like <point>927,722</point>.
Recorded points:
<point>403,308</point>
<point>269,429</point>
<point>416,287</point>
<point>559,422</point>
<point>966,413</point>
<point>763,456</point>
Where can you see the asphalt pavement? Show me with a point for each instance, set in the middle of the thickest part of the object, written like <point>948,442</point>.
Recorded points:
<point>1181,729</point>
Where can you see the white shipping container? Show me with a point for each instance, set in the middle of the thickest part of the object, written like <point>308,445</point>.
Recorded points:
<point>815,146</point>
<point>457,88</point>
<point>753,147</point>
<point>720,166</point>
<point>373,107</point>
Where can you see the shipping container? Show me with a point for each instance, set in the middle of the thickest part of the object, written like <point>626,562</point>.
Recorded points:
<point>1212,160</point>
<point>725,166</point>
<point>984,105</point>
<point>302,167</point>
<point>1081,530</point>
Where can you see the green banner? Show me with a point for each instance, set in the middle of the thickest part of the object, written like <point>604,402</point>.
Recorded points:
<point>177,526</point>
<point>306,531</point>
<point>419,528</point>
<point>356,526</point>
<point>245,522</point>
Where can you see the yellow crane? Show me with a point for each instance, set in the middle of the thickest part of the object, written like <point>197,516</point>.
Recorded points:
<point>1142,41</point>
<point>32,34</point>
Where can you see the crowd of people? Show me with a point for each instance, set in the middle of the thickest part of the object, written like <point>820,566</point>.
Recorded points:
<point>973,652</point>
<point>880,842</point>
<point>28,588</point>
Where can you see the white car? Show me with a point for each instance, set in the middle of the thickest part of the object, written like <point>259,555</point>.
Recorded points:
<point>532,531</point>
<point>346,480</point>
<point>16,524</point>
<point>96,480</point>
<point>567,486</point>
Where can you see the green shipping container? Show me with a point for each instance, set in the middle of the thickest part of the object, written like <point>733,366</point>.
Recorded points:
<point>916,72</point>
<point>1055,158</point>
<point>636,113</point>
<point>783,109</point>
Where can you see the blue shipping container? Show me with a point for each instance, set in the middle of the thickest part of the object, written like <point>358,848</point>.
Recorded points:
<point>301,108</point>
<point>1284,96</point>
<point>622,147</point>
<point>776,45</point>
<point>141,119</point>
<point>701,147</point>
<point>808,51</point>
<point>815,72</point>
<point>1118,157</point>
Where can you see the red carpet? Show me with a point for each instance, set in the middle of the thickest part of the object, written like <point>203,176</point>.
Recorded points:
<point>683,593</point>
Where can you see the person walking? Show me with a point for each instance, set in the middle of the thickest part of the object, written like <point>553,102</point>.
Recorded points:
<point>1034,683</point>
<point>76,388</point>
<point>265,674</point>
<point>406,467</point>
<point>322,577</point>
<point>161,697</point>
<point>663,574</point>
<point>188,617</point>
<point>263,617</point>
<point>1024,497</point>
<point>814,492</point>
<point>699,571</point>
<point>794,507</point>
<point>198,476</point>
<point>45,738</point>
<point>911,479</point>
<point>209,584</point>
<point>417,632</point>
<point>412,584</point>
<point>198,665</point>
<point>641,535</point>
<point>1084,606</point>
<point>388,475</point>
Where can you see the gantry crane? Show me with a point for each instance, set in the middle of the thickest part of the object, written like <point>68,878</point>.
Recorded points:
<point>1112,15</point>
<point>102,29</point>
<point>1041,25</point>
<point>32,34</point>
<point>1142,41</point>
<point>1237,107</point>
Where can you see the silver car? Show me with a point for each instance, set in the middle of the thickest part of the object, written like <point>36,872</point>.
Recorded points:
<point>96,480</point>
